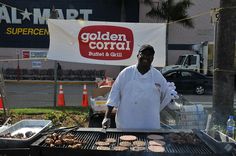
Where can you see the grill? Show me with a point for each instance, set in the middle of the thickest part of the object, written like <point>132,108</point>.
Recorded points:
<point>14,151</point>
<point>206,146</point>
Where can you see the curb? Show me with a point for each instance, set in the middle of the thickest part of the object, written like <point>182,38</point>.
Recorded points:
<point>50,82</point>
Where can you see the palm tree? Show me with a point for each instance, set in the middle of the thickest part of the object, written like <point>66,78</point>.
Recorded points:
<point>223,81</point>
<point>122,11</point>
<point>168,10</point>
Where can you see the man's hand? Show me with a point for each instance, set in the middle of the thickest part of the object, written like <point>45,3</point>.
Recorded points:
<point>174,94</point>
<point>106,122</point>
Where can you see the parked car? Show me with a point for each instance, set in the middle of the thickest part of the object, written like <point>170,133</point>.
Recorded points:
<point>188,80</point>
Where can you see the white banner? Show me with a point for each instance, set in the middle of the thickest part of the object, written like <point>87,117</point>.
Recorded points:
<point>109,43</point>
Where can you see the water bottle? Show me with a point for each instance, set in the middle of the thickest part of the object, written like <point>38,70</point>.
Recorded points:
<point>230,126</point>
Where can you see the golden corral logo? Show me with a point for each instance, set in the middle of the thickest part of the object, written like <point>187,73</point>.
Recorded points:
<point>106,42</point>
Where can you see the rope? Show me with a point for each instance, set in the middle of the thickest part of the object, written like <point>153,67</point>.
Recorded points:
<point>191,17</point>
<point>224,70</point>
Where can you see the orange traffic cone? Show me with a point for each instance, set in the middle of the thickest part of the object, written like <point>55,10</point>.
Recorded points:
<point>1,102</point>
<point>60,97</point>
<point>85,97</point>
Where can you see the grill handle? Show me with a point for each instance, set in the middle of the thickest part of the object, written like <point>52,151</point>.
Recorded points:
<point>217,147</point>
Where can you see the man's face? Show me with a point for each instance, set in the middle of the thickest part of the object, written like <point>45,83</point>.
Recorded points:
<point>145,58</point>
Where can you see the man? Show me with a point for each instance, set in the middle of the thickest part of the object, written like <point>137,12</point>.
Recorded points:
<point>139,93</point>
<point>59,71</point>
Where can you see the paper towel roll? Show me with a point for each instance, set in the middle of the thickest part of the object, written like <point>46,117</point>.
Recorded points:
<point>192,108</point>
<point>190,113</point>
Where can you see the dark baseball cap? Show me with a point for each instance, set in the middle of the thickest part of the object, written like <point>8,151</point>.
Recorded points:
<point>147,49</point>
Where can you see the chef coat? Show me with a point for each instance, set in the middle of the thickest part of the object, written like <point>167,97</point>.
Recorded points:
<point>139,98</point>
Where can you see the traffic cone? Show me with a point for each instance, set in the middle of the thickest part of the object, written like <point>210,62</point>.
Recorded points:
<point>1,102</point>
<point>60,97</point>
<point>84,102</point>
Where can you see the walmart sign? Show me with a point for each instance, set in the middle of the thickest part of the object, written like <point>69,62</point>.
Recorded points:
<point>24,23</point>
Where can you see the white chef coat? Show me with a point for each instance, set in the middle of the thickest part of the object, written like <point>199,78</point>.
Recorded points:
<point>139,98</point>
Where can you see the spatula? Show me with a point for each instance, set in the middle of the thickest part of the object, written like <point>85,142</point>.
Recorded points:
<point>103,133</point>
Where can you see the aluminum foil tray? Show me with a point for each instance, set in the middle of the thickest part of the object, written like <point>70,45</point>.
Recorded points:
<point>23,126</point>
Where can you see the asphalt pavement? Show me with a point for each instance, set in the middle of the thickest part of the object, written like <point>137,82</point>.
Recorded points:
<point>41,94</point>
<point>24,94</point>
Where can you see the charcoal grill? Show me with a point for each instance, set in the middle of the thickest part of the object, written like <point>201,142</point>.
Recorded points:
<point>91,135</point>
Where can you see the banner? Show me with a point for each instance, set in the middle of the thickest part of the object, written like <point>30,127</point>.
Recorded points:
<point>107,43</point>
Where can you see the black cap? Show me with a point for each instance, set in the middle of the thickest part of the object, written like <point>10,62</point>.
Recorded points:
<point>147,48</point>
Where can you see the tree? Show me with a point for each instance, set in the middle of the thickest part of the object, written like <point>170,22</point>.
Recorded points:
<point>170,11</point>
<point>223,81</point>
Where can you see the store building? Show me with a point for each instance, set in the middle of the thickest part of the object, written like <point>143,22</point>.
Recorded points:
<point>24,35</point>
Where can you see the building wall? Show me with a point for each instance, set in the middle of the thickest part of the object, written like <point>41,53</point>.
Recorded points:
<point>11,61</point>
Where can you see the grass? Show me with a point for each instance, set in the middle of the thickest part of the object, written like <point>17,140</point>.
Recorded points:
<point>45,110</point>
<point>64,116</point>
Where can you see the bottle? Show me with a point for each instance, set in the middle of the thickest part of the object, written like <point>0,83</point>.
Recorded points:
<point>230,126</point>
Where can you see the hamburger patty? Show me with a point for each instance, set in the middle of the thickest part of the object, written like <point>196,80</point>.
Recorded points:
<point>155,137</point>
<point>139,143</point>
<point>125,144</point>
<point>128,138</point>
<point>137,148</point>
<point>110,140</point>
<point>120,148</point>
<point>156,148</point>
<point>156,143</point>
<point>102,143</point>
<point>103,148</point>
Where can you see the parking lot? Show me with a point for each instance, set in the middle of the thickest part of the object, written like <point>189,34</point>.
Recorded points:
<point>21,95</point>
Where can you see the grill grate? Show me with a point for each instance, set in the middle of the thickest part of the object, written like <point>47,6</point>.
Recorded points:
<point>91,137</point>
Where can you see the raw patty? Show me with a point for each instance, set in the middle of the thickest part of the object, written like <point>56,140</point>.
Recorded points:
<point>128,138</point>
<point>120,148</point>
<point>103,148</point>
<point>111,140</point>
<point>125,144</point>
<point>156,148</point>
<point>156,143</point>
<point>102,143</point>
<point>139,143</point>
<point>137,148</point>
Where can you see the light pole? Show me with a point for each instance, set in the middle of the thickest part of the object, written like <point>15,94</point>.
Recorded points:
<point>54,15</point>
<point>18,66</point>
<point>214,21</point>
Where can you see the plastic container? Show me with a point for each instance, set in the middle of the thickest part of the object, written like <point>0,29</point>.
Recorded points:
<point>230,126</point>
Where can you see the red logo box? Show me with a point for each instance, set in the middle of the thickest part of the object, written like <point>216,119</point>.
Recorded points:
<point>106,42</point>
<point>25,54</point>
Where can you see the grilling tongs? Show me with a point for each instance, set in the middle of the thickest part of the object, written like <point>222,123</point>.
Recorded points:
<point>63,130</point>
